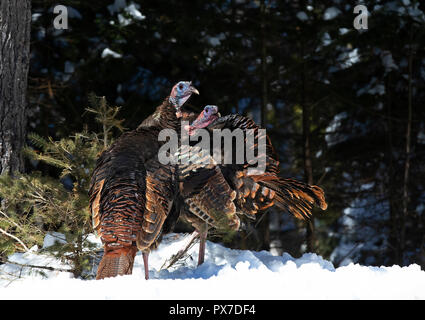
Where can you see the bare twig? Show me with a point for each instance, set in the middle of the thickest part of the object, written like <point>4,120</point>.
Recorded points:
<point>34,266</point>
<point>179,255</point>
<point>14,238</point>
<point>10,220</point>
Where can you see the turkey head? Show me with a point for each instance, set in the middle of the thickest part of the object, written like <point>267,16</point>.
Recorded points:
<point>204,119</point>
<point>180,93</point>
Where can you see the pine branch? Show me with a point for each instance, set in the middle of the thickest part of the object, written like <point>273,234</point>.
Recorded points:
<point>38,141</point>
<point>36,200</point>
<point>106,116</point>
<point>32,154</point>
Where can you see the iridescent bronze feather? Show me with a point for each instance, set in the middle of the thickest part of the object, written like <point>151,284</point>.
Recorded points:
<point>230,190</point>
<point>132,193</point>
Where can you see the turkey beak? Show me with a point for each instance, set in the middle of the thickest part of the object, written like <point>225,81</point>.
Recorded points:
<point>194,90</point>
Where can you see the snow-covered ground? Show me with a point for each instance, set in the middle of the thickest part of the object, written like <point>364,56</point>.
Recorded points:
<point>226,274</point>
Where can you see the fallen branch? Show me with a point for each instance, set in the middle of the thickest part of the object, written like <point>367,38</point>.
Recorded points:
<point>34,266</point>
<point>179,255</point>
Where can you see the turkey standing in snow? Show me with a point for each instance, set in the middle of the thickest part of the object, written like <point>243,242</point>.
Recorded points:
<point>132,193</point>
<point>216,195</point>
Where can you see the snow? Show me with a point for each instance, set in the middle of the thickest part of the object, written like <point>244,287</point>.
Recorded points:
<point>74,13</point>
<point>357,237</point>
<point>35,16</point>
<point>109,53</point>
<point>116,6</point>
<point>404,9</point>
<point>421,135</point>
<point>225,274</point>
<point>216,41</point>
<point>347,59</point>
<point>132,10</point>
<point>374,87</point>
<point>326,39</point>
<point>69,67</point>
<point>343,31</point>
<point>331,13</point>
<point>52,237</point>
<point>302,16</point>
<point>388,61</point>
<point>11,273</point>
<point>332,136</point>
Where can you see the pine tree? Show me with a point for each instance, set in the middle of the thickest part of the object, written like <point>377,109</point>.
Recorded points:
<point>36,204</point>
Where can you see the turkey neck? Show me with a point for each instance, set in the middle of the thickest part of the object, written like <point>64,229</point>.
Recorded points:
<point>164,117</point>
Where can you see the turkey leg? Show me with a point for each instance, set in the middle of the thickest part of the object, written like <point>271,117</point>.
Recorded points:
<point>145,263</point>
<point>202,240</point>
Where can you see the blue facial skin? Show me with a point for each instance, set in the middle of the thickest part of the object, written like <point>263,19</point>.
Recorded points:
<point>209,110</point>
<point>182,88</point>
<point>181,92</point>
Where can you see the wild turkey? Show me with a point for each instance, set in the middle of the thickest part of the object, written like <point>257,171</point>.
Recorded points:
<point>217,195</point>
<point>132,193</point>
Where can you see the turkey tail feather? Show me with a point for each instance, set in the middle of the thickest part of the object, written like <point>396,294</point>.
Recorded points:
<point>116,262</point>
<point>296,197</point>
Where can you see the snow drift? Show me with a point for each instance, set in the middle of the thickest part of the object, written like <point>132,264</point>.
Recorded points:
<point>226,274</point>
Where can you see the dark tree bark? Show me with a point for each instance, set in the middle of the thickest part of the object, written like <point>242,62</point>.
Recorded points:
<point>306,124</point>
<point>264,225</point>
<point>394,237</point>
<point>405,213</point>
<point>308,170</point>
<point>15,26</point>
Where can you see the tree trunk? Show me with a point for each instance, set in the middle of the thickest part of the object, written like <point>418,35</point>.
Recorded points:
<point>308,166</point>
<point>15,26</point>
<point>308,171</point>
<point>264,225</point>
<point>394,237</point>
<point>264,98</point>
<point>404,215</point>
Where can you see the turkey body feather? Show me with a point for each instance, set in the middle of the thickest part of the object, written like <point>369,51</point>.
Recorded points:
<point>132,194</point>
<point>135,199</point>
<point>230,191</point>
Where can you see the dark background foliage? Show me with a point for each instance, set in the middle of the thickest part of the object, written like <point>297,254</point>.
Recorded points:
<point>299,68</point>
